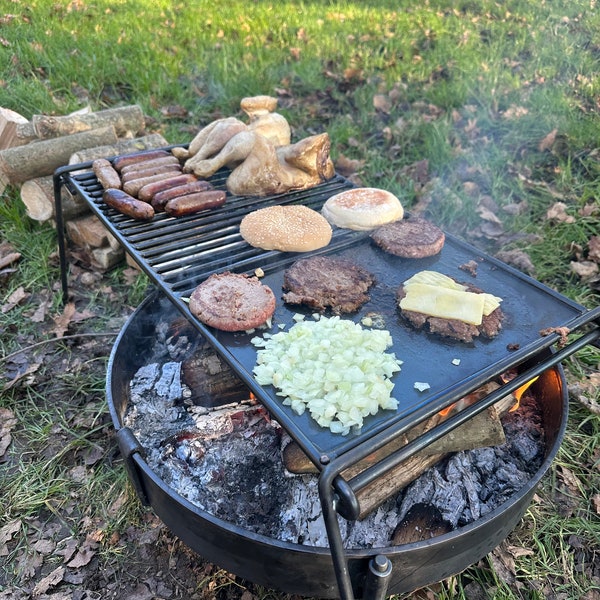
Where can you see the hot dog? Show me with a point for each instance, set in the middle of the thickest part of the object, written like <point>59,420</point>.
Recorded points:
<point>147,192</point>
<point>127,205</point>
<point>159,168</point>
<point>135,185</point>
<point>193,203</point>
<point>135,157</point>
<point>106,174</point>
<point>161,198</point>
<point>149,164</point>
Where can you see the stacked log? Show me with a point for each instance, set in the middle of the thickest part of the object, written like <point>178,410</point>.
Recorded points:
<point>31,150</point>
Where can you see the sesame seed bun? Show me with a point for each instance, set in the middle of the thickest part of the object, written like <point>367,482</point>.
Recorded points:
<point>293,228</point>
<point>362,208</point>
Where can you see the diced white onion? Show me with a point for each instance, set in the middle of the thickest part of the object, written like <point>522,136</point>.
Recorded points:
<point>331,367</point>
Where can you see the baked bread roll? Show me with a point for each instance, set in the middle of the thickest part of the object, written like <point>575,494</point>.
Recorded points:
<point>290,228</point>
<point>362,208</point>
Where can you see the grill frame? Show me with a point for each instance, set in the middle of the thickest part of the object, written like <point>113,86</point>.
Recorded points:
<point>219,238</point>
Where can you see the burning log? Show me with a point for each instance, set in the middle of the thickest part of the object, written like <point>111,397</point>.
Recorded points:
<point>483,430</point>
<point>126,120</point>
<point>44,157</point>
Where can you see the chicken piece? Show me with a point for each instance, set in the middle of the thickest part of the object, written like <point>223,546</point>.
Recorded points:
<point>211,139</point>
<point>264,119</point>
<point>261,169</point>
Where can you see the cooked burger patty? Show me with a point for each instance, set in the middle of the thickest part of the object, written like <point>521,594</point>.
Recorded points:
<point>232,302</point>
<point>414,237</point>
<point>322,282</point>
<point>453,328</point>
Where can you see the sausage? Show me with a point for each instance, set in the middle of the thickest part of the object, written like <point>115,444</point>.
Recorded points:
<point>135,185</point>
<point>193,203</point>
<point>147,192</point>
<point>161,198</point>
<point>135,157</point>
<point>150,164</point>
<point>127,205</point>
<point>106,174</point>
<point>159,168</point>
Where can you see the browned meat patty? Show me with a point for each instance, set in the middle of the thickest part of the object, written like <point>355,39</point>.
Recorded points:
<point>232,302</point>
<point>414,237</point>
<point>322,282</point>
<point>453,328</point>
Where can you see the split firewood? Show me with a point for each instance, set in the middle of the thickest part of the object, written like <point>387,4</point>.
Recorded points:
<point>89,232</point>
<point>15,129</point>
<point>146,142</point>
<point>127,121</point>
<point>104,259</point>
<point>37,196</point>
<point>44,157</point>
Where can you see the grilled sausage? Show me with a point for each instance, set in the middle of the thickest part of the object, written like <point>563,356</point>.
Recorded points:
<point>144,165</point>
<point>135,185</point>
<point>136,157</point>
<point>106,174</point>
<point>193,203</point>
<point>159,168</point>
<point>147,192</point>
<point>161,198</point>
<point>127,205</point>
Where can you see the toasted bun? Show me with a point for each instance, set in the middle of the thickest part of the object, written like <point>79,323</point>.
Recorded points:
<point>362,208</point>
<point>294,228</point>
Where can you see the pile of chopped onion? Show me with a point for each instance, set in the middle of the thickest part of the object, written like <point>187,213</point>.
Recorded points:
<point>331,367</point>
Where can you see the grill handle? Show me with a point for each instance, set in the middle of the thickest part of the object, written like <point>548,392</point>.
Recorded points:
<point>129,446</point>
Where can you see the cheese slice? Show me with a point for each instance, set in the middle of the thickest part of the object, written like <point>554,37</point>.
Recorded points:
<point>444,303</point>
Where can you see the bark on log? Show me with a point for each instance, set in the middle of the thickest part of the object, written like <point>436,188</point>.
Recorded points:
<point>37,196</point>
<point>127,120</point>
<point>146,142</point>
<point>15,129</point>
<point>44,157</point>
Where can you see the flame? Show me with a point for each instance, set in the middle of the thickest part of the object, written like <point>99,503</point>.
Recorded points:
<point>518,393</point>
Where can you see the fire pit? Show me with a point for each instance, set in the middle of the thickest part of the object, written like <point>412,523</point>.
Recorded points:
<point>178,254</point>
<point>298,568</point>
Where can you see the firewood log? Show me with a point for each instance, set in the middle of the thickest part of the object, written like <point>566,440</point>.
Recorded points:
<point>15,129</point>
<point>44,157</point>
<point>127,121</point>
<point>146,142</point>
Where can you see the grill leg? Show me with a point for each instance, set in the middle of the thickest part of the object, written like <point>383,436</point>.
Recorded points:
<point>378,578</point>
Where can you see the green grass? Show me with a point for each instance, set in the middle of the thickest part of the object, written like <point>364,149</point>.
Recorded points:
<point>471,86</point>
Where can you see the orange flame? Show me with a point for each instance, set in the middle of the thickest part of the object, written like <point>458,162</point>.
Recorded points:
<point>518,393</point>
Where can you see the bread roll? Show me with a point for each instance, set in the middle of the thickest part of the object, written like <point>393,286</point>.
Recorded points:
<point>293,228</point>
<point>362,208</point>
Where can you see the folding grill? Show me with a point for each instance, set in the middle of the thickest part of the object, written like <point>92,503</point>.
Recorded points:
<point>179,253</point>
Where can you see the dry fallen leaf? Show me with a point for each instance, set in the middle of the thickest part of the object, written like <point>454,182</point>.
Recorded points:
<point>7,424</point>
<point>347,166</point>
<point>6,534</point>
<point>586,269</point>
<point>596,503</point>
<point>558,212</point>
<point>52,579</point>
<point>518,259</point>
<point>594,248</point>
<point>548,141</point>
<point>15,299</point>
<point>63,320</point>
<point>382,103</point>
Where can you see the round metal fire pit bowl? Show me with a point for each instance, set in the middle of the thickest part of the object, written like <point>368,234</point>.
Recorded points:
<point>307,570</point>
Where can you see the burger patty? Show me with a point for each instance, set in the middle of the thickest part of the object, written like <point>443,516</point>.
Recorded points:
<point>414,237</point>
<point>453,328</point>
<point>232,302</point>
<point>322,282</point>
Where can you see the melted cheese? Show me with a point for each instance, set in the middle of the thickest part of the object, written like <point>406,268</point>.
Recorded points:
<point>444,303</point>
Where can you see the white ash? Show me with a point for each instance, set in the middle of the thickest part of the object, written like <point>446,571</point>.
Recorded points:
<point>227,461</point>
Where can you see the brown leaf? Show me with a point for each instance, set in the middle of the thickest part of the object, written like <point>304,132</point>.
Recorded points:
<point>52,579</point>
<point>516,258</point>
<point>488,215</point>
<point>347,166</point>
<point>586,269</point>
<point>15,299</point>
<point>571,481</point>
<point>8,259</point>
<point>7,424</point>
<point>382,103</point>
<point>63,320</point>
<point>548,141</point>
<point>6,534</point>
<point>558,212</point>
<point>596,503</point>
<point>594,248</point>
<point>84,555</point>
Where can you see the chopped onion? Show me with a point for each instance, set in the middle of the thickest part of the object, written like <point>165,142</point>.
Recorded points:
<point>333,368</point>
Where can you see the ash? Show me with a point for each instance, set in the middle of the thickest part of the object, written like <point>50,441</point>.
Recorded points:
<point>227,461</point>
